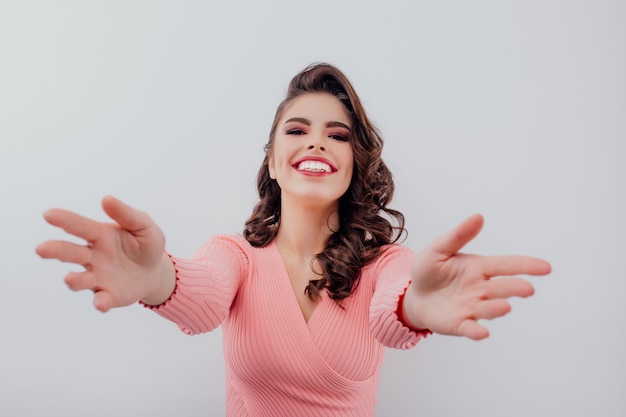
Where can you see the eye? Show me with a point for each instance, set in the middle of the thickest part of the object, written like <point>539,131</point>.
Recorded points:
<point>339,137</point>
<point>296,132</point>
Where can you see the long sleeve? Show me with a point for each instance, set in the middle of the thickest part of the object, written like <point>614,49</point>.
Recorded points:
<point>392,276</point>
<point>206,285</point>
<point>278,364</point>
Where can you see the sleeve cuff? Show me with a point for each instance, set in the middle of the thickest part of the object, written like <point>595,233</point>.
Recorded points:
<point>385,321</point>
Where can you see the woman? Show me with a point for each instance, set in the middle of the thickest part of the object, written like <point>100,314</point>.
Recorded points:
<point>317,286</point>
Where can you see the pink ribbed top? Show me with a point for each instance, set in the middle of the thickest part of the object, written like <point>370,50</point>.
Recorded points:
<point>277,364</point>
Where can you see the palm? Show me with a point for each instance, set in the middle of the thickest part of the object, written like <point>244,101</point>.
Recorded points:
<point>119,258</point>
<point>453,290</point>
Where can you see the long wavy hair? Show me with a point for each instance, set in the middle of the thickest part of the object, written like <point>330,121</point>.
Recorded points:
<point>366,224</point>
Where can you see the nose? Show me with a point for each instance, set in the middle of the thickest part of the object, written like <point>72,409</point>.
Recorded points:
<point>316,141</point>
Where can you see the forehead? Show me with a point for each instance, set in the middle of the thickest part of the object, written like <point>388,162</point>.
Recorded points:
<point>317,107</point>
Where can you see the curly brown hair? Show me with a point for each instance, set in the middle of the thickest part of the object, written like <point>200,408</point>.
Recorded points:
<point>366,224</point>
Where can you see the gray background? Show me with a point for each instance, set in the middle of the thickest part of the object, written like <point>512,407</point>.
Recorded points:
<point>512,109</point>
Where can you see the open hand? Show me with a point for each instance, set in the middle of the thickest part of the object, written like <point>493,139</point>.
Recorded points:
<point>451,291</point>
<point>124,261</point>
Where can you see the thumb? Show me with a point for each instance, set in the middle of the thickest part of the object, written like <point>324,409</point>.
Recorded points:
<point>126,216</point>
<point>453,241</point>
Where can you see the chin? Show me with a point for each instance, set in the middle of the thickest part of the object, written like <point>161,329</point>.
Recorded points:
<point>317,199</point>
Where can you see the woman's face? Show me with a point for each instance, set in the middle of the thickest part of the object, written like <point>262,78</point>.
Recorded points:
<point>311,157</point>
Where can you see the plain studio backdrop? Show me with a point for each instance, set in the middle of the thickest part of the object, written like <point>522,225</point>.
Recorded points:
<point>516,110</point>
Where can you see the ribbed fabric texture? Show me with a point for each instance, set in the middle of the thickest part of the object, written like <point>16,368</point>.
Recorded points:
<point>277,364</point>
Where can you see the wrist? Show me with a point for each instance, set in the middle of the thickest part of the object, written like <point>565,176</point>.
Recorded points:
<point>164,283</point>
<point>403,312</point>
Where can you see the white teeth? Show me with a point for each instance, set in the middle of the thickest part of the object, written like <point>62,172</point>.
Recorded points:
<point>313,166</point>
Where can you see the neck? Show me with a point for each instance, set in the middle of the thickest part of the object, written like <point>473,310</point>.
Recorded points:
<point>304,229</point>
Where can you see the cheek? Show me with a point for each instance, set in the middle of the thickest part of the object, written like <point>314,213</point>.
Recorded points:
<point>270,168</point>
<point>350,164</point>
<point>281,156</point>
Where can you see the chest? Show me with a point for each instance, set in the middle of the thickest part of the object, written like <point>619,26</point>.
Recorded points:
<point>272,331</point>
<point>299,274</point>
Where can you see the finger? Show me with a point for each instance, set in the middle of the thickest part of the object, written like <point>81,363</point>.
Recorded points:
<point>73,223</point>
<point>515,265</point>
<point>472,330</point>
<point>126,216</point>
<point>453,241</point>
<point>78,281</point>
<point>102,301</point>
<point>65,252</point>
<point>490,309</point>
<point>508,287</point>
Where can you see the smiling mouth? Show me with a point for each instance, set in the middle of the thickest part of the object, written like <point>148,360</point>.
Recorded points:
<point>314,166</point>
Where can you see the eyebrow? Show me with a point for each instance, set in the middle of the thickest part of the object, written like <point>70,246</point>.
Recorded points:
<point>308,122</point>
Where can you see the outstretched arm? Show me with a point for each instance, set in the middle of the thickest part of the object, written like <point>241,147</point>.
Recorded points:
<point>124,261</point>
<point>450,291</point>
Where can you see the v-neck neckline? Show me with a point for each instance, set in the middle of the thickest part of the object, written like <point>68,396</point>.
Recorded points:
<point>293,299</point>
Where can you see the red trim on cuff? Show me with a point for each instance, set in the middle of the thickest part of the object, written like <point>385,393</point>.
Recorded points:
<point>153,307</point>
<point>405,322</point>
